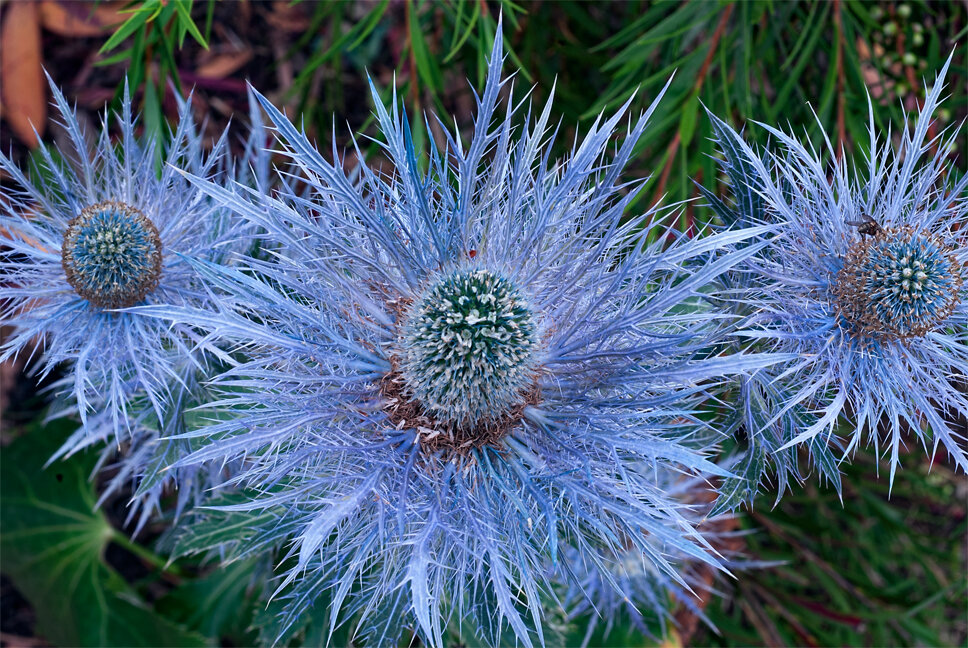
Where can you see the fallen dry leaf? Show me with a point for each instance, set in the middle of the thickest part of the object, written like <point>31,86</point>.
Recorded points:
<point>22,86</point>
<point>288,17</point>
<point>79,19</point>
<point>223,65</point>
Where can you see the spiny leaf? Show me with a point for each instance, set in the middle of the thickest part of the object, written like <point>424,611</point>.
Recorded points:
<point>202,531</point>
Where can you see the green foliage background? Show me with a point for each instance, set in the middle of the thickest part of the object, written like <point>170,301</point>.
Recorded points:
<point>873,569</point>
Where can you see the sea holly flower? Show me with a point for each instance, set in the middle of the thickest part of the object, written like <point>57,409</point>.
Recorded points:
<point>759,436</point>
<point>462,373</point>
<point>866,279</point>
<point>95,229</point>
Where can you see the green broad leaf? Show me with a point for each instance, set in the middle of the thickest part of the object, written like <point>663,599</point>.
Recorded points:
<point>220,604</point>
<point>53,544</point>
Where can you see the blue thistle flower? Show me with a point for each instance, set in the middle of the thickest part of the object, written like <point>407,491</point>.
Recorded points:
<point>866,280</point>
<point>759,435</point>
<point>457,375</point>
<point>99,229</point>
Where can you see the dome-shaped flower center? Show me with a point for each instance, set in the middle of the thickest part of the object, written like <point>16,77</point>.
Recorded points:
<point>898,284</point>
<point>112,255</point>
<point>467,348</point>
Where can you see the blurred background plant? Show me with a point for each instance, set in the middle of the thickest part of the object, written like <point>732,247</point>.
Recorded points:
<point>774,62</point>
<point>873,571</point>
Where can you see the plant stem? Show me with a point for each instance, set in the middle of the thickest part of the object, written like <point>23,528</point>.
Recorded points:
<point>147,555</point>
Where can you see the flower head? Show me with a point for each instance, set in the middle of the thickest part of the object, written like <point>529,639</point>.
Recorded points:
<point>101,228</point>
<point>897,284</point>
<point>866,280</point>
<point>111,255</point>
<point>461,371</point>
<point>467,347</point>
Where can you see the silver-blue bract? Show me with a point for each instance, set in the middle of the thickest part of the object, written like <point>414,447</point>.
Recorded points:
<point>866,279</point>
<point>98,226</point>
<point>463,375</point>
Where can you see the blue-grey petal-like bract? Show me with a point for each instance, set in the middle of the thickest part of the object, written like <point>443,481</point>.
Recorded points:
<point>100,225</point>
<point>583,364</point>
<point>866,281</point>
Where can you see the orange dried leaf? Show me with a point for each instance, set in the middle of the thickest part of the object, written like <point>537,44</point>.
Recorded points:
<point>21,72</point>
<point>79,20</point>
<point>223,65</point>
<point>288,17</point>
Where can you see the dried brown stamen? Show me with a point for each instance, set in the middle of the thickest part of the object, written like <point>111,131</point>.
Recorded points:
<point>437,436</point>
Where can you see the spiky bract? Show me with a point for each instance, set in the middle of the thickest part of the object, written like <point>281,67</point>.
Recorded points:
<point>387,510</point>
<point>760,436</point>
<point>866,280</point>
<point>628,591</point>
<point>139,464</point>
